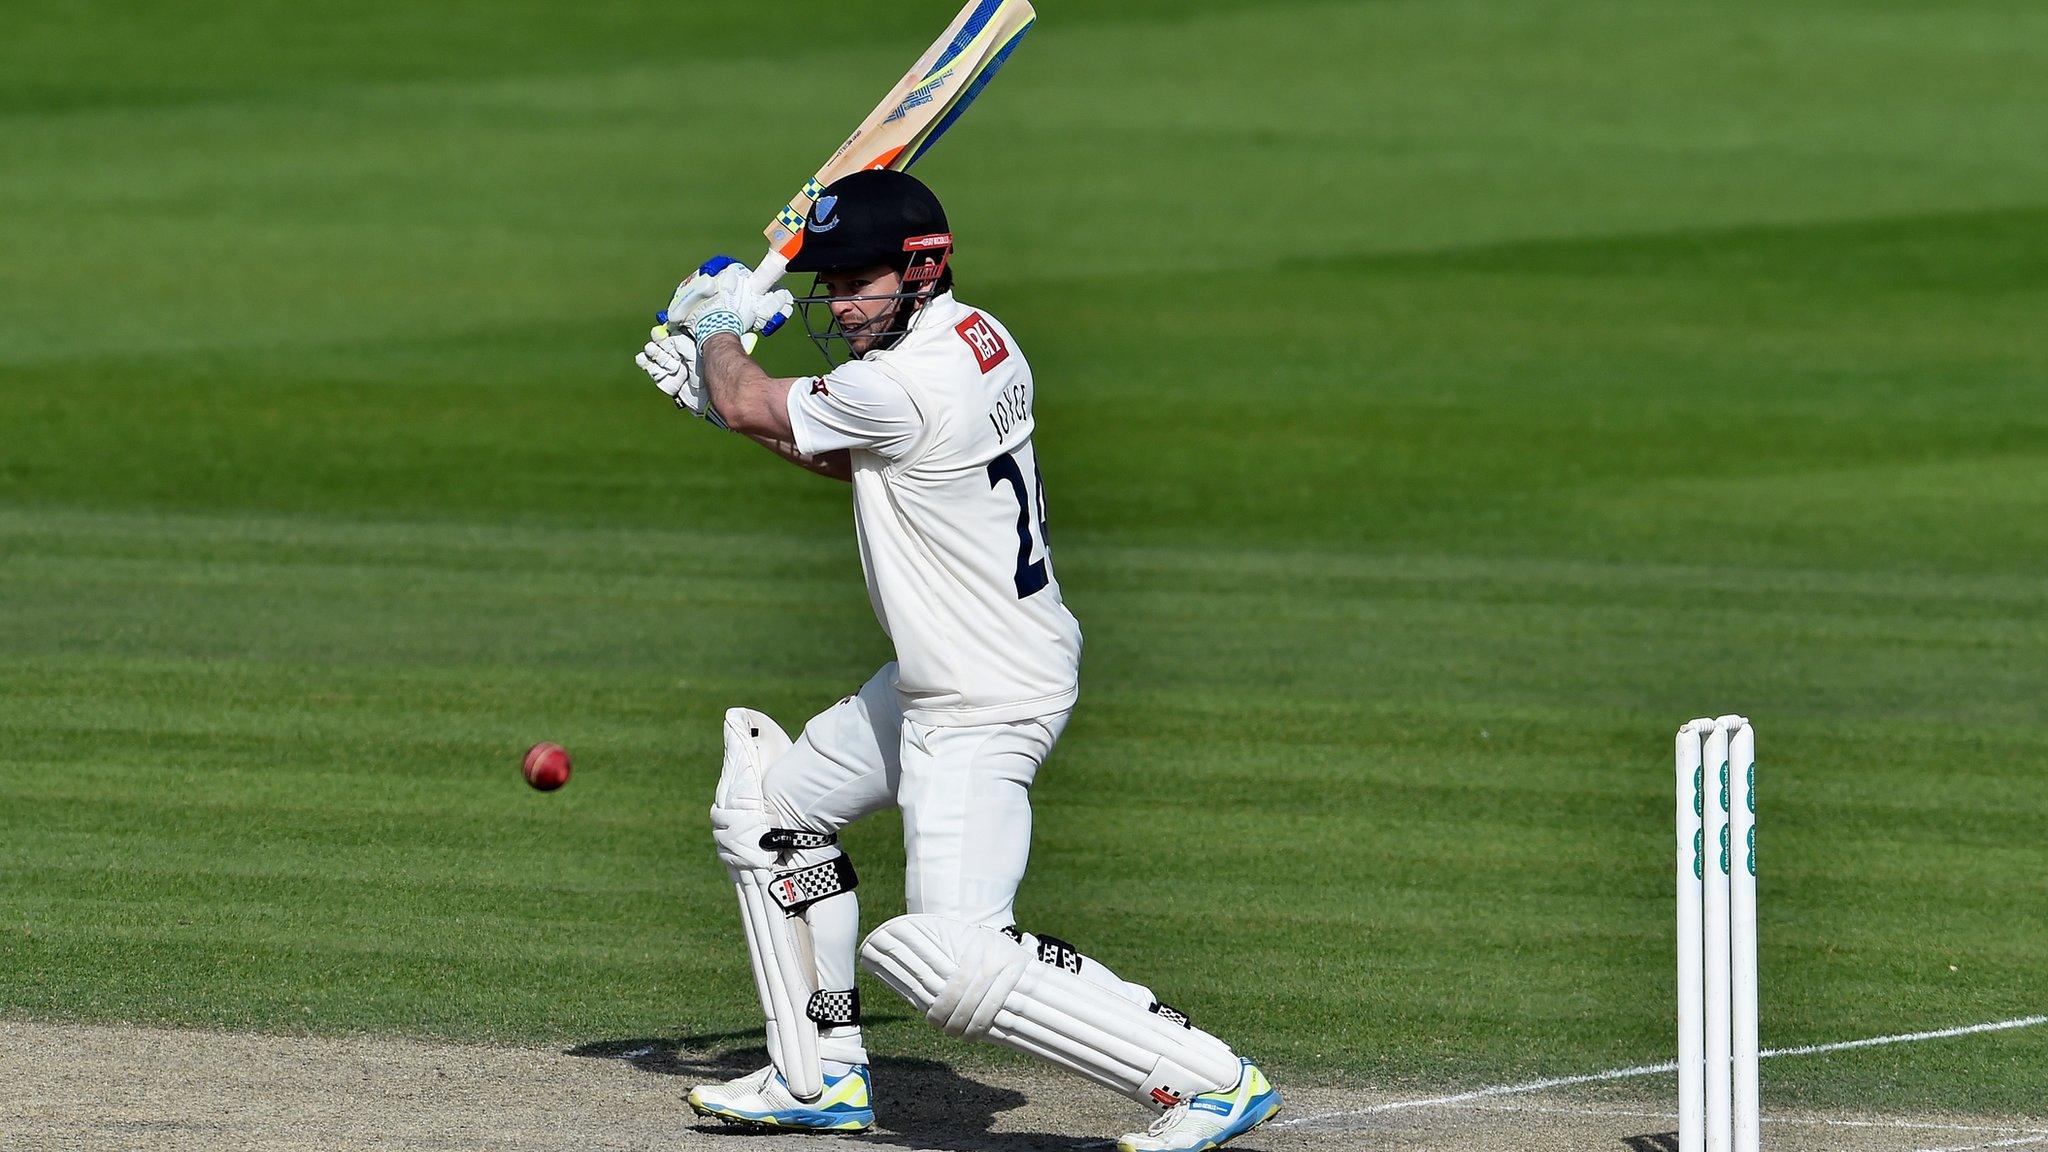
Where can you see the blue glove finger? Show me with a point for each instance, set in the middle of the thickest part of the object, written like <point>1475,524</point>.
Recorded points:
<point>715,265</point>
<point>774,322</point>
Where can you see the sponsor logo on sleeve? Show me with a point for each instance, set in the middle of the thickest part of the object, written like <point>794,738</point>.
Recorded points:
<point>818,387</point>
<point>988,347</point>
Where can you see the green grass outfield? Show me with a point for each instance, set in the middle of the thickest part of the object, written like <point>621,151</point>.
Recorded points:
<point>1440,401</point>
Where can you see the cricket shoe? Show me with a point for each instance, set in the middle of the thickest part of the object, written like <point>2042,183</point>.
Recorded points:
<point>762,1100</point>
<point>1210,1119</point>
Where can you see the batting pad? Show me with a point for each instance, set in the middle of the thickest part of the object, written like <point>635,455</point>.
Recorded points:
<point>981,984</point>
<point>779,945</point>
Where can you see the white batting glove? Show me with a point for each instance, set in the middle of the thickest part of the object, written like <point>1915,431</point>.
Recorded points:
<point>719,316</point>
<point>672,365</point>
<point>761,312</point>
<point>720,284</point>
<point>700,291</point>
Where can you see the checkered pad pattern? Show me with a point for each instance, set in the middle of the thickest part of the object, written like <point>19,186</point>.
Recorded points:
<point>836,1008</point>
<point>1167,1011</point>
<point>800,888</point>
<point>1058,953</point>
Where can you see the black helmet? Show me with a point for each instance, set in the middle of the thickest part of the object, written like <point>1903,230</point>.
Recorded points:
<point>872,218</point>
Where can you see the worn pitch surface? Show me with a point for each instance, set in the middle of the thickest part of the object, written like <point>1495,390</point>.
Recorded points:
<point>75,1086</point>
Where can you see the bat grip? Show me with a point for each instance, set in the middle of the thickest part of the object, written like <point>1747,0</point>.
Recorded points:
<point>769,273</point>
<point>763,280</point>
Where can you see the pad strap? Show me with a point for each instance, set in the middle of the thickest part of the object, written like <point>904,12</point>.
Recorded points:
<point>837,1008</point>
<point>1051,949</point>
<point>1058,953</point>
<point>1169,1012</point>
<point>799,888</point>
<point>796,839</point>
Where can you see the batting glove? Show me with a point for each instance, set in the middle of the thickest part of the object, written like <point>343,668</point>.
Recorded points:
<point>720,317</point>
<point>699,292</point>
<point>762,312</point>
<point>672,364</point>
<point>721,285</point>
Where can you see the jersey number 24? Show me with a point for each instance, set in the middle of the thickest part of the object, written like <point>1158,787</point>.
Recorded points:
<point>1032,575</point>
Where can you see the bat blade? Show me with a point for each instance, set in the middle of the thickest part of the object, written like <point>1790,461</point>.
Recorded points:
<point>983,73</point>
<point>927,101</point>
<point>919,109</point>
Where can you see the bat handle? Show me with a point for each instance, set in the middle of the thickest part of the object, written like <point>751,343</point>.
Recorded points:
<point>769,273</point>
<point>764,279</point>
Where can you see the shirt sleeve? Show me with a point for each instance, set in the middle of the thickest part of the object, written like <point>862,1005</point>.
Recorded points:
<point>856,405</point>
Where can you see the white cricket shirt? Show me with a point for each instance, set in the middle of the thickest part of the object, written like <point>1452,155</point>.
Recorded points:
<point>950,511</point>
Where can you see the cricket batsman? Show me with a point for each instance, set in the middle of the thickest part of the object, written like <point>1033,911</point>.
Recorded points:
<point>927,412</point>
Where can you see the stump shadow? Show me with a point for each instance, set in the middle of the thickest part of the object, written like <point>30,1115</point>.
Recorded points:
<point>1652,1142</point>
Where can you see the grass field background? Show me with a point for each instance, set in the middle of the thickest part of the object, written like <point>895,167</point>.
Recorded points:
<point>1438,402</point>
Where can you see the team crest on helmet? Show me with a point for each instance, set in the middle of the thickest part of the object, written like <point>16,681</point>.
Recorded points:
<point>822,219</point>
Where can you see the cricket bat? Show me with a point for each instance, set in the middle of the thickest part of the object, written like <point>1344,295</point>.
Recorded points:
<point>930,98</point>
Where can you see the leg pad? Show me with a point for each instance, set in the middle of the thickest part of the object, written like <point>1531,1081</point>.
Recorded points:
<point>778,943</point>
<point>981,984</point>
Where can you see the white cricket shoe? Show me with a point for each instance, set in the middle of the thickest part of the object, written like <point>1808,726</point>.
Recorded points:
<point>762,1100</point>
<point>1209,1119</point>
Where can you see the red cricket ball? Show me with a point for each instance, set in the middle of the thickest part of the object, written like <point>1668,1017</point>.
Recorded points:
<point>546,766</point>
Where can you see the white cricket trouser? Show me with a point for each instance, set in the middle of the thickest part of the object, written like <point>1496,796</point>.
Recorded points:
<point>966,800</point>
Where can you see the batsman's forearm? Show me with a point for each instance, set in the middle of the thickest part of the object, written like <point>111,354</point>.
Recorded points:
<point>746,398</point>
<point>725,365</point>
<point>730,378</point>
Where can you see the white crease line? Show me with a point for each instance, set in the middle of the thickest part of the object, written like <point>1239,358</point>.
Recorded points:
<point>1903,1125</point>
<point>1553,1110</point>
<point>1910,1037</point>
<point>1654,1069</point>
<point>1483,1093</point>
<point>2039,1138</point>
<point>1786,1121</point>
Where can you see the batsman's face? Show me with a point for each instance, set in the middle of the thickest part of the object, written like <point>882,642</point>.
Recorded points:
<point>862,301</point>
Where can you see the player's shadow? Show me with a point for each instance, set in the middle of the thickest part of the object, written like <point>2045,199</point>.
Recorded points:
<point>923,1103</point>
<point>1653,1142</point>
<point>706,1056</point>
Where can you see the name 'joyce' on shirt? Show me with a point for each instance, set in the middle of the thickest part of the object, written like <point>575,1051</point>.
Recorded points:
<point>1013,405</point>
